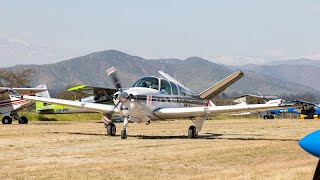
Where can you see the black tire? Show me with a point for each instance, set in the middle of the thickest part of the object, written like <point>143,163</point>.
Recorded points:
<point>24,120</point>
<point>6,120</point>
<point>265,117</point>
<point>124,134</point>
<point>192,132</point>
<point>111,129</point>
<point>271,117</point>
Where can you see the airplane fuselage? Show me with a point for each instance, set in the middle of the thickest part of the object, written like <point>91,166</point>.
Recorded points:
<point>141,102</point>
<point>13,104</point>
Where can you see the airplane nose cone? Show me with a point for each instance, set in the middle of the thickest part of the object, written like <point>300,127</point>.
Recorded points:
<point>311,143</point>
<point>123,96</point>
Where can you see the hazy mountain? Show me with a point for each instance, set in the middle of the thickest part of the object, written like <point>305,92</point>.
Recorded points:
<point>301,71</point>
<point>301,61</point>
<point>196,73</point>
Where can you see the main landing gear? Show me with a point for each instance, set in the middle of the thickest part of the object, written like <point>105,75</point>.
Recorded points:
<point>268,117</point>
<point>195,129</point>
<point>111,129</point>
<point>8,120</point>
<point>192,132</point>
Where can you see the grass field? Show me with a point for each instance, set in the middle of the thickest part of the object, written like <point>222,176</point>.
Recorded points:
<point>226,149</point>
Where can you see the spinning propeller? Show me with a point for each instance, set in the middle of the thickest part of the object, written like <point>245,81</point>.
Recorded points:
<point>123,96</point>
<point>311,143</point>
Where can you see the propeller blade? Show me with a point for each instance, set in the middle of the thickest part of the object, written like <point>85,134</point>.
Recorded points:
<point>317,172</point>
<point>112,73</point>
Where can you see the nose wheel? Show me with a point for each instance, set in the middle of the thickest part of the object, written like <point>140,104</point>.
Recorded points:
<point>124,134</point>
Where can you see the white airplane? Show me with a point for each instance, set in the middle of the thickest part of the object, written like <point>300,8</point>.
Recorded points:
<point>255,99</point>
<point>151,98</point>
<point>10,103</point>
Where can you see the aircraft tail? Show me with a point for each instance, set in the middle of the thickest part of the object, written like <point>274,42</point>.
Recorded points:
<point>221,86</point>
<point>46,94</point>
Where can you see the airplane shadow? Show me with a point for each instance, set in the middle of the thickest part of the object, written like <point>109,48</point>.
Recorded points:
<point>78,133</point>
<point>210,136</point>
<point>172,137</point>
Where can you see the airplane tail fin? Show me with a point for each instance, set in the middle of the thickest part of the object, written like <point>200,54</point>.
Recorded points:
<point>43,93</point>
<point>221,86</point>
<point>42,105</point>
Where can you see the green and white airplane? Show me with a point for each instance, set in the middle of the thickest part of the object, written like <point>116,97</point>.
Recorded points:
<point>95,95</point>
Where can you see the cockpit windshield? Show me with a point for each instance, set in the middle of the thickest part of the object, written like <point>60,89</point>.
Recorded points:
<point>147,82</point>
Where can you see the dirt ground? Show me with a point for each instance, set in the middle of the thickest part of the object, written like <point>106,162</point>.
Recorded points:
<point>226,149</point>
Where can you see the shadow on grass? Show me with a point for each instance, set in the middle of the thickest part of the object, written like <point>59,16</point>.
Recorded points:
<point>44,118</point>
<point>78,133</point>
<point>206,136</point>
<point>257,139</point>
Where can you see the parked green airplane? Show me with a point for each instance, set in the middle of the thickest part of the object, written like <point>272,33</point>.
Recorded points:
<point>95,94</point>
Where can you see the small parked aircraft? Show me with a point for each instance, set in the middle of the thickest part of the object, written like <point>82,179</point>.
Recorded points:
<point>10,103</point>
<point>95,95</point>
<point>309,110</point>
<point>311,144</point>
<point>151,98</point>
<point>257,99</point>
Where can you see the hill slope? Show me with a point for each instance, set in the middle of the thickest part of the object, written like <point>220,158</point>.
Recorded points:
<point>196,73</point>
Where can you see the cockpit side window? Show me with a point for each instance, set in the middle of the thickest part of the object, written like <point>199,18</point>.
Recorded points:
<point>182,91</point>
<point>165,87</point>
<point>147,82</point>
<point>13,92</point>
<point>174,88</point>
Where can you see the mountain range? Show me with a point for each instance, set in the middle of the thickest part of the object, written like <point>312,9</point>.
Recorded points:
<point>194,72</point>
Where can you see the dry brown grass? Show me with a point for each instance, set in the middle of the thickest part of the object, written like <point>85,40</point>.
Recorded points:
<point>226,149</point>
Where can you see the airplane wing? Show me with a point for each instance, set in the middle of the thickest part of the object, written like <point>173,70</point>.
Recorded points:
<point>306,102</point>
<point>95,107</point>
<point>92,90</point>
<point>176,113</point>
<point>37,89</point>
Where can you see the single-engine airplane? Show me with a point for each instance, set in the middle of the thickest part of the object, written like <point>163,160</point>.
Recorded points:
<point>151,98</point>
<point>311,144</point>
<point>10,103</point>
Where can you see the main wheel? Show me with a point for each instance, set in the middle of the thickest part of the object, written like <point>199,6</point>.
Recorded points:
<point>6,120</point>
<point>192,132</point>
<point>265,117</point>
<point>124,134</point>
<point>111,129</point>
<point>24,120</point>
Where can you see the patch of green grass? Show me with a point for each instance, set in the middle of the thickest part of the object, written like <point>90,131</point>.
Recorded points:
<point>33,116</point>
<point>225,117</point>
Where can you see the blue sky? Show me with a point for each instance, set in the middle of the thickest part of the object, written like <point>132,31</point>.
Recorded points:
<point>43,31</point>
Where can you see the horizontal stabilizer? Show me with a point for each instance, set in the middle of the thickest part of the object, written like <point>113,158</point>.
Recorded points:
<point>221,86</point>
